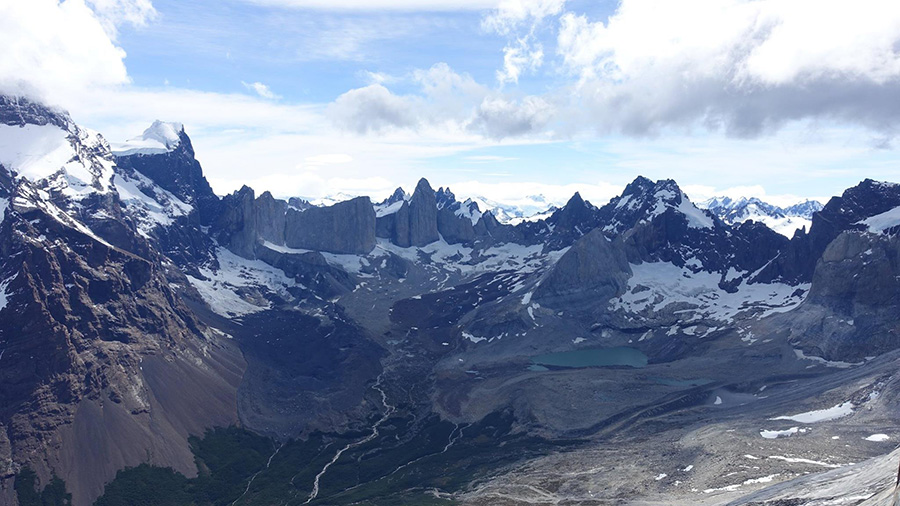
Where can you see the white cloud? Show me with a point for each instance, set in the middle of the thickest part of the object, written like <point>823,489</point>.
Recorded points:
<point>52,50</point>
<point>510,14</point>
<point>518,58</point>
<point>113,13</point>
<point>328,159</point>
<point>375,5</point>
<point>261,89</point>
<point>523,52</point>
<point>498,117</point>
<point>372,109</point>
<point>489,158</point>
<point>747,66</point>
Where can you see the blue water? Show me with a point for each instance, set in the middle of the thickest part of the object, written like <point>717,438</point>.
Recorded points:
<point>593,357</point>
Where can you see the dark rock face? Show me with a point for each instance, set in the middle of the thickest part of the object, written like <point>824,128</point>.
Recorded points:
<point>867,199</point>
<point>656,222</point>
<point>853,307</point>
<point>864,200</point>
<point>235,226</point>
<point>594,269</point>
<point>22,111</point>
<point>423,215</point>
<point>415,223</point>
<point>452,221</point>
<point>270,218</point>
<point>245,221</point>
<point>395,226</point>
<point>346,227</point>
<point>311,269</point>
<point>87,331</point>
<point>179,172</point>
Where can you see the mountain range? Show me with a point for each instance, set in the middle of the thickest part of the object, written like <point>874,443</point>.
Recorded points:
<point>250,350</point>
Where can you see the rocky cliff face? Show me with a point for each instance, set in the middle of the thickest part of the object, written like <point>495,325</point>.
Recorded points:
<point>346,227</point>
<point>592,270</point>
<point>412,222</point>
<point>100,361</point>
<point>853,308</point>
<point>174,168</point>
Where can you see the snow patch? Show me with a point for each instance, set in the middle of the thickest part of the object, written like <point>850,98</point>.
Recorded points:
<point>878,438</point>
<point>4,296</point>
<point>221,287</point>
<point>821,415</point>
<point>385,210</point>
<point>881,222</point>
<point>827,363</point>
<point>160,137</point>
<point>657,285</point>
<point>775,434</point>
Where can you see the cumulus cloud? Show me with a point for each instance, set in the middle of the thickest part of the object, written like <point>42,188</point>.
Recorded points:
<point>52,50</point>
<point>444,100</point>
<point>498,117</point>
<point>261,89</point>
<point>373,109</point>
<point>745,66</point>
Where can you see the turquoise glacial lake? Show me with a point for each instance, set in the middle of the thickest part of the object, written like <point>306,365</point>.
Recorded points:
<point>620,356</point>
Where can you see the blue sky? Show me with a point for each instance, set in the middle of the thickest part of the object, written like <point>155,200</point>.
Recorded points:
<point>777,98</point>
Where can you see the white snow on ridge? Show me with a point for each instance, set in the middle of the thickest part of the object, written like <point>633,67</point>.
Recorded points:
<point>34,151</point>
<point>151,211</point>
<point>656,285</point>
<point>695,217</point>
<point>469,209</point>
<point>878,438</point>
<point>220,289</point>
<point>458,258</point>
<point>385,210</point>
<point>4,296</point>
<point>881,222</point>
<point>47,154</point>
<point>821,415</point>
<point>4,205</point>
<point>160,137</point>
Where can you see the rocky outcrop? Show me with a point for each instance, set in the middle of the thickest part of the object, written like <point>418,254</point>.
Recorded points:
<point>179,172</point>
<point>591,272</point>
<point>423,228</point>
<point>270,218</point>
<point>853,307</point>
<point>346,227</point>
<point>245,221</point>
<point>414,222</point>
<point>235,226</point>
<point>868,198</point>
<point>455,219</point>
<point>103,366</point>
<point>22,111</point>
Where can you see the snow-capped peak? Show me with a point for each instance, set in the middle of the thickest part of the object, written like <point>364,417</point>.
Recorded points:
<point>785,221</point>
<point>644,199</point>
<point>160,137</point>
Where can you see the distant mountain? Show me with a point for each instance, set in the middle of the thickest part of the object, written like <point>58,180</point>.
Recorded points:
<point>785,220</point>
